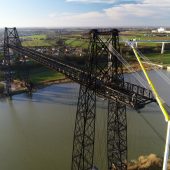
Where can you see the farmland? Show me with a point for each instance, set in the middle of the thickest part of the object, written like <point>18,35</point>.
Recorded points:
<point>74,41</point>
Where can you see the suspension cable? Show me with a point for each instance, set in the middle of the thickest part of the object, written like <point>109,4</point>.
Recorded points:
<point>162,75</point>
<point>129,67</point>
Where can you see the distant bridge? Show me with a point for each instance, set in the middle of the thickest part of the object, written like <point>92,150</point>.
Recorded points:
<point>163,42</point>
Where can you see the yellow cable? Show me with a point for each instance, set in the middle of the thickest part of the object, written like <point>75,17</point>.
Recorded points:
<point>163,109</point>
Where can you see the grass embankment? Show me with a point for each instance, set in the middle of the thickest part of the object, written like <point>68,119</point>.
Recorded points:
<point>153,53</point>
<point>150,162</point>
<point>159,58</point>
<point>43,75</point>
<point>154,57</point>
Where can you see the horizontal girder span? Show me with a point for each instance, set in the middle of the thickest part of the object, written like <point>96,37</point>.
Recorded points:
<point>130,94</point>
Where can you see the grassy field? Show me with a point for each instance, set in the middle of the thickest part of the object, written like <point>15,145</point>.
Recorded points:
<point>142,35</point>
<point>42,75</point>
<point>149,44</point>
<point>40,36</point>
<point>149,49</point>
<point>37,40</point>
<point>77,43</point>
<point>159,58</point>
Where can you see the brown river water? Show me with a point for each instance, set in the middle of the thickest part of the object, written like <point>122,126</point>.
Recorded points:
<point>37,133</point>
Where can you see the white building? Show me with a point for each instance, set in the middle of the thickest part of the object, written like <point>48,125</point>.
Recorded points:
<point>160,30</point>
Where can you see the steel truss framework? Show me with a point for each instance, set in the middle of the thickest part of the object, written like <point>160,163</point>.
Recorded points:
<point>102,76</point>
<point>12,57</point>
<point>104,65</point>
<point>116,122</point>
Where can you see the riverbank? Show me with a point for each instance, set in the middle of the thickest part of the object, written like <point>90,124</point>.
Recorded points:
<point>135,67</point>
<point>43,78</point>
<point>18,87</point>
<point>149,162</point>
<point>51,82</point>
<point>39,81</point>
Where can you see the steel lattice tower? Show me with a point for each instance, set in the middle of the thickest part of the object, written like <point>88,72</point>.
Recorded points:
<point>84,133</point>
<point>106,67</point>
<point>103,76</point>
<point>117,122</point>
<point>12,57</point>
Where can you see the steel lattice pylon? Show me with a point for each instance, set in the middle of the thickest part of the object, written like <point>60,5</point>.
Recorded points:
<point>117,136</point>
<point>12,57</point>
<point>106,67</point>
<point>84,133</point>
<point>85,130</point>
<point>117,122</point>
<point>103,75</point>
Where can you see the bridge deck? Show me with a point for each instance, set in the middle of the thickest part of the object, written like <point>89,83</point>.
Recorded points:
<point>130,94</point>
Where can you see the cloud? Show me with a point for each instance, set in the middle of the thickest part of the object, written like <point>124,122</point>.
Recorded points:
<point>156,2</point>
<point>116,2</point>
<point>93,1</point>
<point>63,14</point>
<point>124,13</point>
<point>119,2</point>
<point>93,18</point>
<point>147,13</point>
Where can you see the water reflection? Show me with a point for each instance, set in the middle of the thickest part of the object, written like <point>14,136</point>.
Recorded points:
<point>61,94</point>
<point>37,133</point>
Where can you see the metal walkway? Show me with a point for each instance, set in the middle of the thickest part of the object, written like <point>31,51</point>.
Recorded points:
<point>131,94</point>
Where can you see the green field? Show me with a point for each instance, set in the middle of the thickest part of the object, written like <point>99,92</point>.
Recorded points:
<point>159,58</point>
<point>77,43</point>
<point>149,49</point>
<point>40,36</point>
<point>75,40</point>
<point>149,44</point>
<point>42,40</point>
<point>37,40</point>
<point>142,35</point>
<point>42,75</point>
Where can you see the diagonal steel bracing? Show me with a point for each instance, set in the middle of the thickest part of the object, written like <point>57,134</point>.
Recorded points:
<point>117,136</point>
<point>11,57</point>
<point>106,67</point>
<point>102,76</point>
<point>83,144</point>
<point>84,133</point>
<point>116,122</point>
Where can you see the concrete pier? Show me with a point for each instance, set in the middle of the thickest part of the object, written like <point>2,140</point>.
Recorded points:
<point>163,48</point>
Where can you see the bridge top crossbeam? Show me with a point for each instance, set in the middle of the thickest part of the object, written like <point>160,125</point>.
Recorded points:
<point>104,31</point>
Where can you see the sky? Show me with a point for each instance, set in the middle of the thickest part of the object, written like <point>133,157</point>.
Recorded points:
<point>84,13</point>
